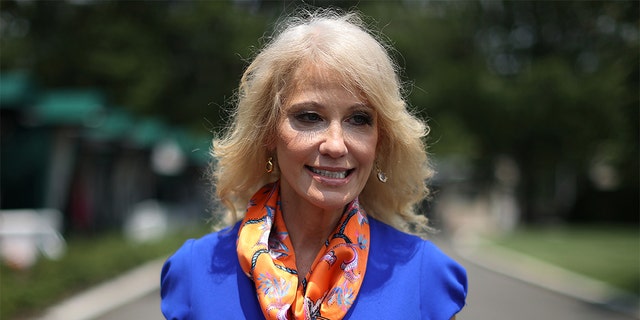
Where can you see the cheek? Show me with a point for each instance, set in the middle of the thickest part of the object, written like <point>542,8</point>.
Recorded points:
<point>369,155</point>
<point>364,148</point>
<point>291,143</point>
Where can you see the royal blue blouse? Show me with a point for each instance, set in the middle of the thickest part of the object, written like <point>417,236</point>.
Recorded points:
<point>406,278</point>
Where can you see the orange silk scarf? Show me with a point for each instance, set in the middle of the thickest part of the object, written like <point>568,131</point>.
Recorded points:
<point>266,256</point>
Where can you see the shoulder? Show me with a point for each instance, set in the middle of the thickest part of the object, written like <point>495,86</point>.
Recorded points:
<point>444,282</point>
<point>420,266</point>
<point>199,250</point>
<point>386,239</point>
<point>193,264</point>
<point>383,230</point>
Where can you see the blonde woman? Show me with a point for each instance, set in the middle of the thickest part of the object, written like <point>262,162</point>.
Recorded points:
<point>320,171</point>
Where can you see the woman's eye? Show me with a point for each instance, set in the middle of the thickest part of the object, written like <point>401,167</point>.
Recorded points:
<point>361,119</point>
<point>308,117</point>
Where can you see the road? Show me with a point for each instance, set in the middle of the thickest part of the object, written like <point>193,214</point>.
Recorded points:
<point>492,296</point>
<point>145,308</point>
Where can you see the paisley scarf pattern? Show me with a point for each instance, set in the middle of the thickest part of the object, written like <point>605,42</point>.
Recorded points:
<point>266,256</point>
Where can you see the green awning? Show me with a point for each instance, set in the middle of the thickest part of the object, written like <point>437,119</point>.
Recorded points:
<point>148,131</point>
<point>70,107</point>
<point>195,147</point>
<point>16,89</point>
<point>116,124</point>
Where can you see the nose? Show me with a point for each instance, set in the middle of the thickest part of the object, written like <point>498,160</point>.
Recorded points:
<point>333,143</point>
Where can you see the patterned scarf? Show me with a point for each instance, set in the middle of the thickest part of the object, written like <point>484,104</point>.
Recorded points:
<point>266,256</point>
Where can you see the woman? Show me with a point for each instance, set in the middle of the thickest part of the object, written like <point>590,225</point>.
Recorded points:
<point>327,164</point>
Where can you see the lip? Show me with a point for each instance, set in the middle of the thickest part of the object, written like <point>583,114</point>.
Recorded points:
<point>331,175</point>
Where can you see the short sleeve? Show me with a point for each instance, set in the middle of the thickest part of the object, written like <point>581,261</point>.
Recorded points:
<point>445,291</point>
<point>175,284</point>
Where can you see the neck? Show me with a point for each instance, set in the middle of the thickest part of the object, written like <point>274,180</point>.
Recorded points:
<point>308,227</point>
<point>308,224</point>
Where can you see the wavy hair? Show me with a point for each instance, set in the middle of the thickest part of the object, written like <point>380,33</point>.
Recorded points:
<point>342,44</point>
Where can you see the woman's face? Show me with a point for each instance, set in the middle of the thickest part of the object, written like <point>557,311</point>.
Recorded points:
<point>326,141</point>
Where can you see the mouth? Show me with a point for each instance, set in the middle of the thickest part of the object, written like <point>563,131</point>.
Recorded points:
<point>331,174</point>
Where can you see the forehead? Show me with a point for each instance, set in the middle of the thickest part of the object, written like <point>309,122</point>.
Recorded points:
<point>309,76</point>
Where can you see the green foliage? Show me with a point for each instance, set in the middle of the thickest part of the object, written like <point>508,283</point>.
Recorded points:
<point>181,60</point>
<point>553,85</point>
<point>549,84</point>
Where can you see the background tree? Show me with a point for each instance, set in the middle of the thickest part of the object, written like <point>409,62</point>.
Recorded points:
<point>551,85</point>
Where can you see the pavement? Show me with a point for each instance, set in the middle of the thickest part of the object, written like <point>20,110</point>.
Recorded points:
<point>113,299</point>
<point>110,295</point>
<point>552,278</point>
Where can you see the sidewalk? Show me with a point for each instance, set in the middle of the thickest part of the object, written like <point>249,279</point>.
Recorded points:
<point>109,295</point>
<point>539,273</point>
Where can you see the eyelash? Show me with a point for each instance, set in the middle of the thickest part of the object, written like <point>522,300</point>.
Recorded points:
<point>306,117</point>
<point>364,118</point>
<point>358,118</point>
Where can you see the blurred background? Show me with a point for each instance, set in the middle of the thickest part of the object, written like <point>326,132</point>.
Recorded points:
<point>108,108</point>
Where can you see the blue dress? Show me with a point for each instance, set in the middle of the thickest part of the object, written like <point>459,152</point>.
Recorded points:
<point>406,278</point>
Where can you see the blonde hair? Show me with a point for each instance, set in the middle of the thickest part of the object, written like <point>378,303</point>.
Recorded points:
<point>341,44</point>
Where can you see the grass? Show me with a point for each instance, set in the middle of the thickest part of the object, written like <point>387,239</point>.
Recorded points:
<point>607,253</point>
<point>88,261</point>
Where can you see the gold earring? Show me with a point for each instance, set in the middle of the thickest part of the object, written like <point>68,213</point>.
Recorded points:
<point>382,177</point>
<point>269,166</point>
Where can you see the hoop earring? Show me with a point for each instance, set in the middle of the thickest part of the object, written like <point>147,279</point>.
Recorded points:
<point>269,166</point>
<point>382,177</point>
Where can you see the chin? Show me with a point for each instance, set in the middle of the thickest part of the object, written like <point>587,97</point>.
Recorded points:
<point>333,200</point>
